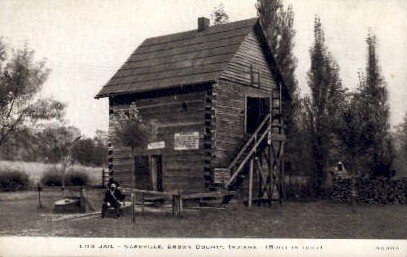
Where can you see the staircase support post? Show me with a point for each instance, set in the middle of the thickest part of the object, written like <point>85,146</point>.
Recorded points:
<point>282,181</point>
<point>133,205</point>
<point>249,204</point>
<point>259,177</point>
<point>281,156</point>
<point>270,154</point>
<point>270,193</point>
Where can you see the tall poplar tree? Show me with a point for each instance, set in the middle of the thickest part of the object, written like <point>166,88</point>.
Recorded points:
<point>324,106</point>
<point>400,146</point>
<point>278,24</point>
<point>402,128</point>
<point>372,112</point>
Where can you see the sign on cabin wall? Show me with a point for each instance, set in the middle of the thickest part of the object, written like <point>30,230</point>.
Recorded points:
<point>156,145</point>
<point>186,141</point>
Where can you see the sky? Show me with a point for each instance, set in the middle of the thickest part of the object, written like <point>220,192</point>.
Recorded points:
<point>85,41</point>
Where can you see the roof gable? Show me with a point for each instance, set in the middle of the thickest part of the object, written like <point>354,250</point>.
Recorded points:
<point>179,59</point>
<point>252,64</point>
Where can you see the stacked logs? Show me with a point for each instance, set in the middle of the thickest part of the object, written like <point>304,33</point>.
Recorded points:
<point>341,189</point>
<point>374,190</point>
<point>382,190</point>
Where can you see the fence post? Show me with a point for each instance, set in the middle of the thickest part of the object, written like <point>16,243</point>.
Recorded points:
<point>103,177</point>
<point>81,198</point>
<point>39,195</point>
<point>142,202</point>
<point>173,204</point>
<point>179,202</point>
<point>133,218</point>
<point>353,188</point>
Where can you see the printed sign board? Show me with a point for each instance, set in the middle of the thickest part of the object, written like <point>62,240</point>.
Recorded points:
<point>186,141</point>
<point>156,145</point>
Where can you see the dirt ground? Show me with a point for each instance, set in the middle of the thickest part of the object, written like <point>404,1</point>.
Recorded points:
<point>20,215</point>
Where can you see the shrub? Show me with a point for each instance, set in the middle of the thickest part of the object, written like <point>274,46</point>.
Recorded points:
<point>73,177</point>
<point>13,180</point>
<point>76,178</point>
<point>52,177</point>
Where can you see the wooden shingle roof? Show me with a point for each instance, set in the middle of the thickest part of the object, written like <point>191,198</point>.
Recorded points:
<point>179,59</point>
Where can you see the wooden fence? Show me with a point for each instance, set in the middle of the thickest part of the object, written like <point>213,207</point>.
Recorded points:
<point>80,190</point>
<point>176,197</point>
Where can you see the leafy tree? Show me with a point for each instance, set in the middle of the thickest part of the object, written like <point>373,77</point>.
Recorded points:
<point>367,120</point>
<point>100,151</point>
<point>51,145</point>
<point>325,106</point>
<point>60,140</point>
<point>21,79</point>
<point>21,147</point>
<point>100,137</point>
<point>376,111</point>
<point>56,141</point>
<point>278,24</point>
<point>351,133</point>
<point>83,151</point>
<point>402,131</point>
<point>400,145</point>
<point>130,130</point>
<point>91,151</point>
<point>219,16</point>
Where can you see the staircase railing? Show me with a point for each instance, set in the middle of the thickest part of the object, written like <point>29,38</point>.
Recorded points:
<point>251,139</point>
<point>252,143</point>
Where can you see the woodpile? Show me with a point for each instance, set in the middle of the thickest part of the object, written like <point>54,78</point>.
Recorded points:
<point>379,190</point>
<point>382,190</point>
<point>341,189</point>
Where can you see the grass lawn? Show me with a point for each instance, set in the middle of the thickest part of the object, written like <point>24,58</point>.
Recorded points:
<point>19,215</point>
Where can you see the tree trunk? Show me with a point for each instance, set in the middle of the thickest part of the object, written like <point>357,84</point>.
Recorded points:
<point>133,167</point>
<point>318,168</point>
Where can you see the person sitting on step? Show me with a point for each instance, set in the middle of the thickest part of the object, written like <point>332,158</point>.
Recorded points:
<point>113,199</point>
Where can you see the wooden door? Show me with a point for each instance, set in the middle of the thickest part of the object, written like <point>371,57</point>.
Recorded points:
<point>156,173</point>
<point>142,178</point>
<point>256,110</point>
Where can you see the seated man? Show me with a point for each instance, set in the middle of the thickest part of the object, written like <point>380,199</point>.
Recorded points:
<point>113,199</point>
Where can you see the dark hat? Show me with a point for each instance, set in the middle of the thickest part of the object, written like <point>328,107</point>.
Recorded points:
<point>111,183</point>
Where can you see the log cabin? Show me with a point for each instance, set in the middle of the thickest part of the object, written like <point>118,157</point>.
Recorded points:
<point>215,94</point>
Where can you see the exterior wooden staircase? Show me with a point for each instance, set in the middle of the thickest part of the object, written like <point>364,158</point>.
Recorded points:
<point>266,144</point>
<point>253,146</point>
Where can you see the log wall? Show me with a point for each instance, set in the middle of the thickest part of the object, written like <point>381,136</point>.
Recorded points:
<point>174,111</point>
<point>250,65</point>
<point>247,75</point>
